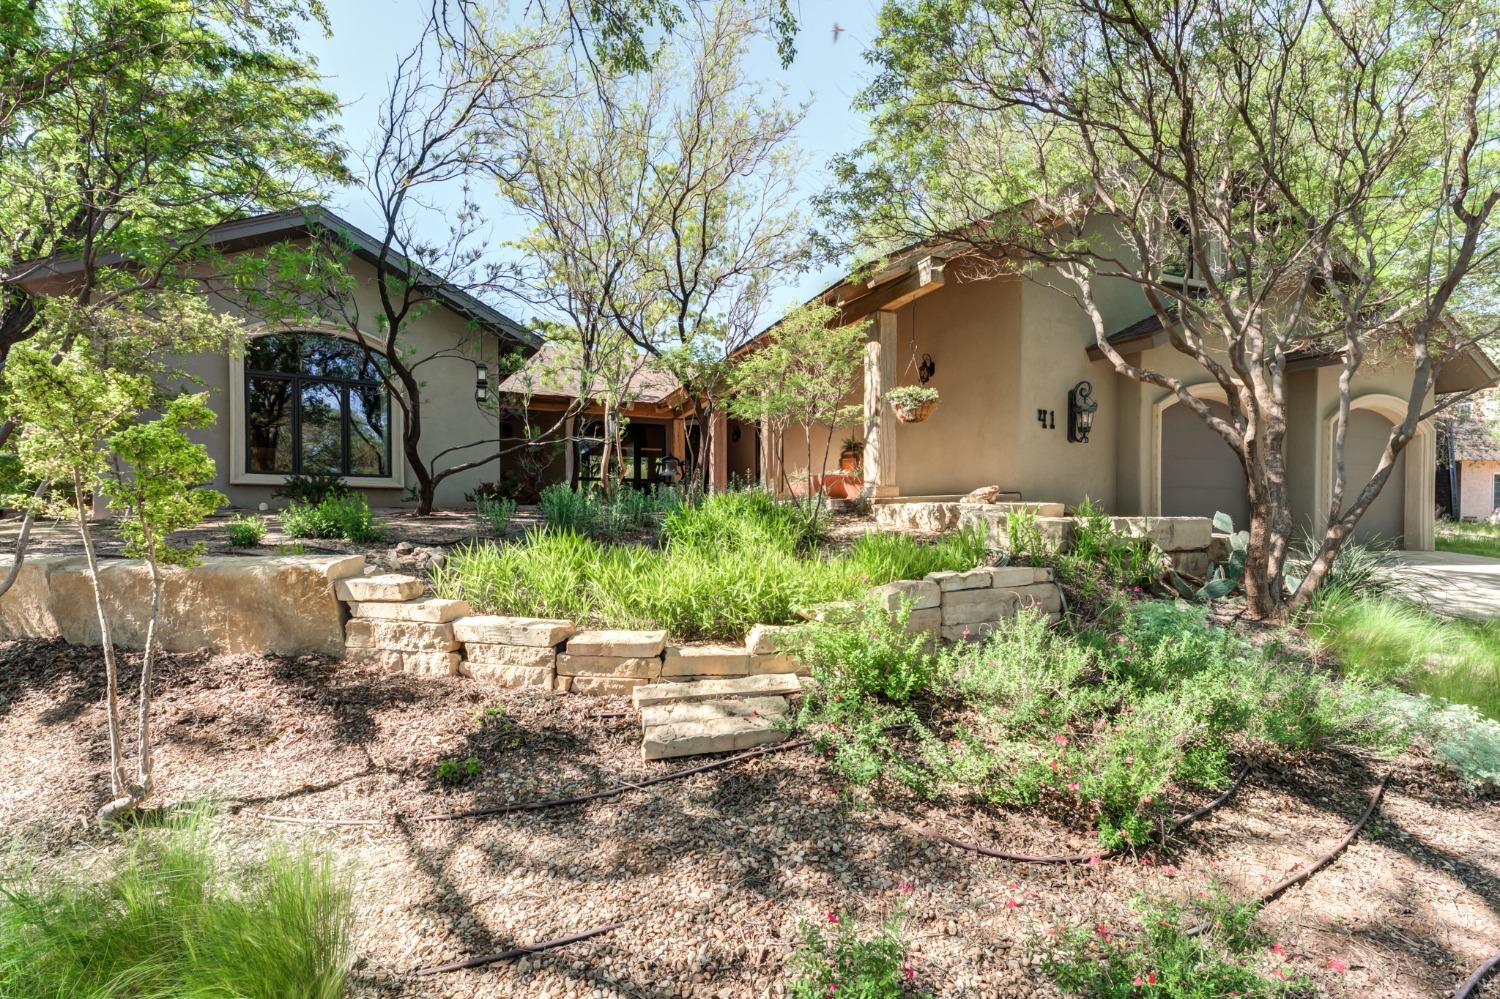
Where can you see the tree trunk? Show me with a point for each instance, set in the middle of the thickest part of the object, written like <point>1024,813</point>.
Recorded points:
<point>22,539</point>
<point>144,763</point>
<point>1270,527</point>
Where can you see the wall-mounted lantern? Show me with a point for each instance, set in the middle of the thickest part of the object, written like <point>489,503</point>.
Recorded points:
<point>481,384</point>
<point>669,469</point>
<point>1081,409</point>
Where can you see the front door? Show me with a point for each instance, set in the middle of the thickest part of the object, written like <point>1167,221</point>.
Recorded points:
<point>643,444</point>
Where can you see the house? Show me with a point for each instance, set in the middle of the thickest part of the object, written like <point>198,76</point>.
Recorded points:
<point>304,398</point>
<point>1474,435</point>
<point>1009,353</point>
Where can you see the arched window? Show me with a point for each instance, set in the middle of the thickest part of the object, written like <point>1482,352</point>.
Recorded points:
<point>315,405</point>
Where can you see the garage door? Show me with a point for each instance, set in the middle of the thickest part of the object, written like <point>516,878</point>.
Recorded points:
<point>1386,518</point>
<point>1200,474</point>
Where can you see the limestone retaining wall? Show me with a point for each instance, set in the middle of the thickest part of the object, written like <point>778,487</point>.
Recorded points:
<point>226,603</point>
<point>394,627</point>
<point>1189,543</point>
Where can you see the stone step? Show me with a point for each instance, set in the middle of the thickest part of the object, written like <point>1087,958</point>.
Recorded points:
<point>729,688</point>
<point>430,610</point>
<point>714,735</point>
<point>392,586</point>
<point>696,711</point>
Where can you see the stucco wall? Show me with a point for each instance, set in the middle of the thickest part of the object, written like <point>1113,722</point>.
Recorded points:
<point>449,414</point>
<point>1476,488</point>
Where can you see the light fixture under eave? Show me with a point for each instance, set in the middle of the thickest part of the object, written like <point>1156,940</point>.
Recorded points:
<point>1081,410</point>
<point>481,384</point>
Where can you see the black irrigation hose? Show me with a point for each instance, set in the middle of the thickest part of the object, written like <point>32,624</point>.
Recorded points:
<point>1276,890</point>
<point>1472,982</point>
<point>546,803</point>
<point>1080,858</point>
<point>515,952</point>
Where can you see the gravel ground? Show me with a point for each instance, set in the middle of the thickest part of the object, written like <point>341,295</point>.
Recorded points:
<point>712,874</point>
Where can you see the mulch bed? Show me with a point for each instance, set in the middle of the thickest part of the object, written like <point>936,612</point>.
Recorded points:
<point>712,874</point>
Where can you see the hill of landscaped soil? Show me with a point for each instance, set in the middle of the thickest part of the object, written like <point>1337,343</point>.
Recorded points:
<point>712,874</point>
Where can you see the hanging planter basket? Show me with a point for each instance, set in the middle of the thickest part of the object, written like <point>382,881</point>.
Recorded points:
<point>912,404</point>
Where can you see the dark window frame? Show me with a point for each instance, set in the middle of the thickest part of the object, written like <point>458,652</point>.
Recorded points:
<point>630,437</point>
<point>298,379</point>
<point>1495,490</point>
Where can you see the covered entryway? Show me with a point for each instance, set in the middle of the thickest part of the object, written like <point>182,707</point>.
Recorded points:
<point>1364,442</point>
<point>1200,474</point>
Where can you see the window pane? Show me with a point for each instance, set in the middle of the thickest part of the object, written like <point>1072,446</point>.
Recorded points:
<point>368,424</point>
<point>272,353</point>
<point>330,357</point>
<point>269,424</point>
<point>322,428</point>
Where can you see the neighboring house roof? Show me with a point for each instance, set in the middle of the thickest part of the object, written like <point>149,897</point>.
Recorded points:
<point>275,227</point>
<point>549,373</point>
<point>1476,436</point>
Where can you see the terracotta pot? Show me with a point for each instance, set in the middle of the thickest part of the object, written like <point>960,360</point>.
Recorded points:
<point>914,414</point>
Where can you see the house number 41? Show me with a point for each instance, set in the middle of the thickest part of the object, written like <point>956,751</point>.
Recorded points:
<point>1047,419</point>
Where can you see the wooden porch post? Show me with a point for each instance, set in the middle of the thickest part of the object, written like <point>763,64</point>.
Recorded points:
<point>718,452</point>
<point>569,472</point>
<point>880,422</point>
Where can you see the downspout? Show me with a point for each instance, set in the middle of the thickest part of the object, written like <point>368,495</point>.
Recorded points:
<point>1453,503</point>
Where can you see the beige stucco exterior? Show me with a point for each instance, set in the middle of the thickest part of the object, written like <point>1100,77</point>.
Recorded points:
<point>1008,348</point>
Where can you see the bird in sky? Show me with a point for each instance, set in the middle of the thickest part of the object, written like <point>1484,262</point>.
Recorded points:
<point>838,29</point>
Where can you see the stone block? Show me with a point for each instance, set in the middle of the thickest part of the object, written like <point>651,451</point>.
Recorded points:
<point>765,639</point>
<point>422,663</point>
<point>973,579</point>
<point>1219,548</point>
<point>696,711</point>
<point>764,685</point>
<point>283,605</point>
<point>562,684</point>
<point>918,518</point>
<point>976,632</point>
<point>777,662</point>
<point>510,656</point>
<point>431,610</point>
<point>618,644</point>
<point>405,636</point>
<point>705,660</point>
<point>1019,575</point>
<point>1194,565</point>
<point>495,630</point>
<point>1057,532</point>
<point>920,594</point>
<point>390,586</point>
<point>1042,596</point>
<point>604,685</point>
<point>542,677</point>
<point>635,667</point>
<point>977,606</point>
<point>719,735</point>
<point>1170,534</point>
<point>930,619</point>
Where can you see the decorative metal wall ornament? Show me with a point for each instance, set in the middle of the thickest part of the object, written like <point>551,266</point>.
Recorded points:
<point>926,369</point>
<point>1081,410</point>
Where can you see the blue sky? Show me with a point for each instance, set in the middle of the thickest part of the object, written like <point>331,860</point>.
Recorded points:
<point>368,35</point>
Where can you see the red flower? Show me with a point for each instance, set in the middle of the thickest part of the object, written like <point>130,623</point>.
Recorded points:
<point>1094,860</point>
<point>1145,861</point>
<point>909,972</point>
<point>1012,904</point>
<point>833,917</point>
<point>1169,870</point>
<point>905,888</point>
<point>1060,739</point>
<point>1150,978</point>
<point>1278,949</point>
<point>1072,785</point>
<point>1336,965</point>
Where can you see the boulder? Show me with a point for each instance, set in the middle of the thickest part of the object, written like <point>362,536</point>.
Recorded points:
<point>920,594</point>
<point>765,639</point>
<point>984,494</point>
<point>387,586</point>
<point>977,606</point>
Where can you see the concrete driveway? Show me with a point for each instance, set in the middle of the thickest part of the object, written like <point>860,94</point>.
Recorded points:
<point>1450,583</point>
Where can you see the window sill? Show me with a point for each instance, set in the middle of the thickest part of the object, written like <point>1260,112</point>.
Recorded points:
<point>238,478</point>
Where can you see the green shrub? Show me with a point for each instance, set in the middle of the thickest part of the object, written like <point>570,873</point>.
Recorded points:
<point>886,556</point>
<point>175,920</point>
<point>872,655</point>
<point>837,958</point>
<point>496,512</point>
<point>246,531</point>
<point>734,560</point>
<point>345,516</point>
<point>312,488</point>
<point>1162,960</point>
<point>569,509</point>
<point>459,771</point>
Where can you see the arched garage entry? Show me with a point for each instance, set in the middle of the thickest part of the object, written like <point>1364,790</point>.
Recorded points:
<point>1364,442</point>
<point>1199,474</point>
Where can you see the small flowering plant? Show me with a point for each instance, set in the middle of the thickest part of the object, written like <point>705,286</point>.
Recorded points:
<point>839,960</point>
<point>1161,960</point>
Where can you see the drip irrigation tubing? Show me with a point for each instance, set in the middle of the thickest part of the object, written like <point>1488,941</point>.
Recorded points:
<point>544,804</point>
<point>1081,858</point>
<point>515,952</point>
<point>1472,982</point>
<point>1277,889</point>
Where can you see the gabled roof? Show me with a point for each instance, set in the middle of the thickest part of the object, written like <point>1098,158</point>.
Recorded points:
<point>275,227</point>
<point>546,373</point>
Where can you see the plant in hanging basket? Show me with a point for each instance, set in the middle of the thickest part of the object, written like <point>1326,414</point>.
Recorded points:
<point>912,403</point>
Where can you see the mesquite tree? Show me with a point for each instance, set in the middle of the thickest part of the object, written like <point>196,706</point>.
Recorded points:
<point>1324,176</point>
